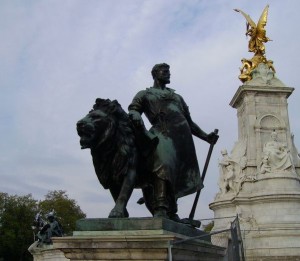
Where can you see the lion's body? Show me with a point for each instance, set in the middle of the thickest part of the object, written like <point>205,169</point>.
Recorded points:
<point>107,131</point>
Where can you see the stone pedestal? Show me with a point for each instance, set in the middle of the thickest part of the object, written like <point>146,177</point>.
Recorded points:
<point>260,179</point>
<point>136,239</point>
<point>46,253</point>
<point>269,214</point>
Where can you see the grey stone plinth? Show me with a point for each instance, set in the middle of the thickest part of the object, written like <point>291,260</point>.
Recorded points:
<point>136,226</point>
<point>136,239</point>
<point>44,252</point>
<point>136,248</point>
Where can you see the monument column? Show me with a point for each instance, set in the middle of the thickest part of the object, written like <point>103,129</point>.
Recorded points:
<point>261,110</point>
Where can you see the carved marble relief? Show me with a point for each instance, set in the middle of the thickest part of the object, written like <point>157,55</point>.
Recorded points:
<point>276,156</point>
<point>231,170</point>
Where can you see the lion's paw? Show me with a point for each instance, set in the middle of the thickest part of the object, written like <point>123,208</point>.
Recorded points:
<point>115,213</point>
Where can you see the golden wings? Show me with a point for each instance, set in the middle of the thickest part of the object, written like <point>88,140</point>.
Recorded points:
<point>257,32</point>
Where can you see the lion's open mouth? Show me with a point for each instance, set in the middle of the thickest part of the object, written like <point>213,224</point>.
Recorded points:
<point>84,145</point>
<point>86,133</point>
<point>83,133</point>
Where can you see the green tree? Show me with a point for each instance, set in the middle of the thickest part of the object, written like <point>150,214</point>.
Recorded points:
<point>16,235</point>
<point>66,209</point>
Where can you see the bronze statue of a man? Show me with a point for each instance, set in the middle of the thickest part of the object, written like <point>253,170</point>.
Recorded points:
<point>173,163</point>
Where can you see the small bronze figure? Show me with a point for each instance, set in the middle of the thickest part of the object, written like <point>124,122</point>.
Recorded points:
<point>51,229</point>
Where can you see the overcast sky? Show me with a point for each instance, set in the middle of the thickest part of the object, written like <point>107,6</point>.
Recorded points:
<point>57,57</point>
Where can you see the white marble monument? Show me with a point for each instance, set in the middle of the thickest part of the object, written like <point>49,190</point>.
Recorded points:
<point>260,179</point>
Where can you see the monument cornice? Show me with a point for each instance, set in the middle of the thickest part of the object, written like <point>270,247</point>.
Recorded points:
<point>250,199</point>
<point>243,89</point>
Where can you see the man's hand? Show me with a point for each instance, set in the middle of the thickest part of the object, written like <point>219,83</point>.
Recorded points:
<point>136,118</point>
<point>213,137</point>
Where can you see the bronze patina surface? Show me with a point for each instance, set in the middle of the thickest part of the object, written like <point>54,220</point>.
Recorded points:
<point>161,161</point>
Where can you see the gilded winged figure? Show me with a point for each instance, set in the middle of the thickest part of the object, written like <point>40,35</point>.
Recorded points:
<point>257,32</point>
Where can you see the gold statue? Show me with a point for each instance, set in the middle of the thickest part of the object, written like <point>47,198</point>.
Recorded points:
<point>258,37</point>
<point>257,32</point>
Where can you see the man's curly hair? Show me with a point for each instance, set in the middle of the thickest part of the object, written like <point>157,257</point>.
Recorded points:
<point>157,67</point>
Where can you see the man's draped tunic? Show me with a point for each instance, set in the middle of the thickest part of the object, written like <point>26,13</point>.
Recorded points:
<point>174,159</point>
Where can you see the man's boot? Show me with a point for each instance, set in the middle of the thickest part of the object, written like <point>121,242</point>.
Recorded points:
<point>160,198</point>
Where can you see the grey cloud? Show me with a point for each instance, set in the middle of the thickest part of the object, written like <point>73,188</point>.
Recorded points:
<point>58,57</point>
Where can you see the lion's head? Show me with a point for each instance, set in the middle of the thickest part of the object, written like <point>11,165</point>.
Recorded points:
<point>94,129</point>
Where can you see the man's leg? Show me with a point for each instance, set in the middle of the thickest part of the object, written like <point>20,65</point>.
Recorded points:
<point>161,205</point>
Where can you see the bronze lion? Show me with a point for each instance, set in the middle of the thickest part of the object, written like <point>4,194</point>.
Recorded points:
<point>108,132</point>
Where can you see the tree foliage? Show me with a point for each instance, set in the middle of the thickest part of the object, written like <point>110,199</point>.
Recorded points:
<point>66,209</point>
<point>17,214</point>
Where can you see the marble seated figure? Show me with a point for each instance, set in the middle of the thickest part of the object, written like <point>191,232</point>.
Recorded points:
<point>276,155</point>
